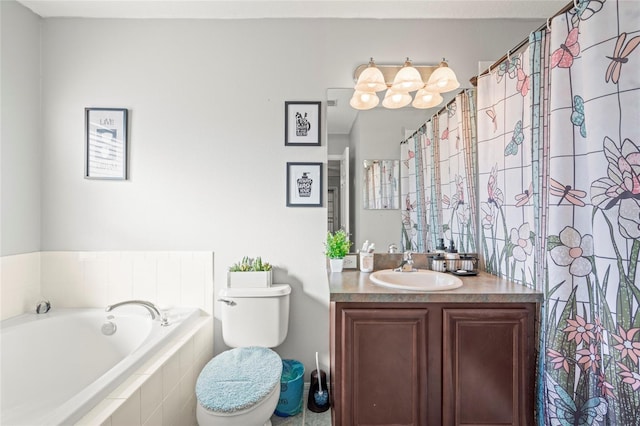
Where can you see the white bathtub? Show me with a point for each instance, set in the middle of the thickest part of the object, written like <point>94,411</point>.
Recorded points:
<point>55,367</point>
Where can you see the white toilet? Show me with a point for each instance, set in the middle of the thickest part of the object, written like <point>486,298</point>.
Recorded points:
<point>241,386</point>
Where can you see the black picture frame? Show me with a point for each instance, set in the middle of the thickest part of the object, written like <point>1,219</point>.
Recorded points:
<point>302,123</point>
<point>304,184</point>
<point>106,143</point>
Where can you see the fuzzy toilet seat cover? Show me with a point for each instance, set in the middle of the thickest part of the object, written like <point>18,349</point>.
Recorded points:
<point>238,379</point>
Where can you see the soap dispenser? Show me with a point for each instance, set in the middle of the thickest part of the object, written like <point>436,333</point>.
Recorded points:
<point>452,257</point>
<point>440,246</point>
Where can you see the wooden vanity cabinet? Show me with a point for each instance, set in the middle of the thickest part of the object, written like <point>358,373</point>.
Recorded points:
<point>432,364</point>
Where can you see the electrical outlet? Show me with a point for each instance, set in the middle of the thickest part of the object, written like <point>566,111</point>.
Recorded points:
<point>350,261</point>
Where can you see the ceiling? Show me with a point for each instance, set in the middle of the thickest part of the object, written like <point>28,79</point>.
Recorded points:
<point>254,9</point>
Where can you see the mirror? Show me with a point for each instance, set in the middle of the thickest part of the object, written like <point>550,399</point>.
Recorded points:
<point>381,184</point>
<point>371,134</point>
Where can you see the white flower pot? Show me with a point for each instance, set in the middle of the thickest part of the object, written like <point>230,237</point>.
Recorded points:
<point>336,265</point>
<point>253,279</point>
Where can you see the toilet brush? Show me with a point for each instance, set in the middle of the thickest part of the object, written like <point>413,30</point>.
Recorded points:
<point>320,396</point>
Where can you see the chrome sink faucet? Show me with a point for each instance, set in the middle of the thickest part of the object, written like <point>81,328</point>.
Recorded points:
<point>407,263</point>
<point>153,309</point>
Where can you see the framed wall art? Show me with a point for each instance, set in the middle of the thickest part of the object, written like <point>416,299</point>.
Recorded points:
<point>304,184</point>
<point>302,123</point>
<point>106,143</point>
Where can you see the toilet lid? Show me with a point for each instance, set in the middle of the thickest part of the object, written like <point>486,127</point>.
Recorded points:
<point>238,379</point>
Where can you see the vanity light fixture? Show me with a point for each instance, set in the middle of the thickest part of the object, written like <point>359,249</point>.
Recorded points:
<point>426,99</point>
<point>364,100</point>
<point>394,99</point>
<point>443,79</point>
<point>400,81</point>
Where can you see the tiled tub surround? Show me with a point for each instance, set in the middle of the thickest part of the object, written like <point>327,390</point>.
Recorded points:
<point>161,392</point>
<point>19,284</point>
<point>95,279</point>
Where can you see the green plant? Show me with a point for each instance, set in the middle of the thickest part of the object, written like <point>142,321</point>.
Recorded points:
<point>248,264</point>
<point>337,245</point>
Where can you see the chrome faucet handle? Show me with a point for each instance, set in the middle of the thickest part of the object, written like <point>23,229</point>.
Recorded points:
<point>393,248</point>
<point>407,256</point>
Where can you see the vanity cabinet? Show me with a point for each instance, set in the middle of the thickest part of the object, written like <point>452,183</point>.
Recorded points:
<point>433,363</point>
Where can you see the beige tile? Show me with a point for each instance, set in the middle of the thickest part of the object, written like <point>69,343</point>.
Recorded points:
<point>155,419</point>
<point>101,413</point>
<point>151,396</point>
<point>145,277</point>
<point>170,374</point>
<point>169,282</point>
<point>186,357</point>
<point>188,413</point>
<point>171,409</point>
<point>129,386</point>
<point>128,414</point>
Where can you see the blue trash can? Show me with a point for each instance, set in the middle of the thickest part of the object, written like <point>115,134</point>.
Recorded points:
<point>291,388</point>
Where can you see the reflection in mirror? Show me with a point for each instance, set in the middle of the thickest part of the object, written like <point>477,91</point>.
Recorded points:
<point>373,134</point>
<point>380,186</point>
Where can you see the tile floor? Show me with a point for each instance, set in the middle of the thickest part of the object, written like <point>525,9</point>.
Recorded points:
<point>306,417</point>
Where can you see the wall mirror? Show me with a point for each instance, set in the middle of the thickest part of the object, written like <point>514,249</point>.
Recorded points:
<point>355,136</point>
<point>381,184</point>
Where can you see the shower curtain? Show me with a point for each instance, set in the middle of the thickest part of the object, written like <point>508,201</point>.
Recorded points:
<point>559,165</point>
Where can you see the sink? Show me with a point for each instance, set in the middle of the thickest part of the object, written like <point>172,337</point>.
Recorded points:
<point>416,280</point>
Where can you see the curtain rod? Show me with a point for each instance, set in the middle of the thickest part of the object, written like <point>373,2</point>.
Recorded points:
<point>431,118</point>
<point>568,7</point>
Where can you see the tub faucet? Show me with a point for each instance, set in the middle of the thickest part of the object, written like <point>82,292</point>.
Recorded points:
<point>153,310</point>
<point>407,263</point>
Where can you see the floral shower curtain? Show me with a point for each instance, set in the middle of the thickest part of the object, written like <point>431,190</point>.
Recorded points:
<point>583,204</point>
<point>438,166</point>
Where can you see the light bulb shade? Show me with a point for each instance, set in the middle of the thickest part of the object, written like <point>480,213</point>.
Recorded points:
<point>408,79</point>
<point>371,79</point>
<point>443,79</point>
<point>426,99</point>
<point>393,99</point>
<point>364,100</point>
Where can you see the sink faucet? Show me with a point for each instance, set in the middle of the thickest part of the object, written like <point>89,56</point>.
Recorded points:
<point>153,310</point>
<point>407,263</point>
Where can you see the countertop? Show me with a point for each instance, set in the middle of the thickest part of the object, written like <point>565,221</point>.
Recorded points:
<point>355,286</point>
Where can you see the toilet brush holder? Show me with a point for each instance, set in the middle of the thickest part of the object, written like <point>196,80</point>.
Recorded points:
<point>314,388</point>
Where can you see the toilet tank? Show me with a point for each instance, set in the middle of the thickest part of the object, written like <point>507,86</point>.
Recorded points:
<point>255,316</point>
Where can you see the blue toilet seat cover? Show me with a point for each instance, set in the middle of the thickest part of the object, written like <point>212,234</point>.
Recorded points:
<point>238,379</point>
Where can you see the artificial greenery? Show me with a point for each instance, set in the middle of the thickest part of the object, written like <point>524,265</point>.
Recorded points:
<point>248,264</point>
<point>337,245</point>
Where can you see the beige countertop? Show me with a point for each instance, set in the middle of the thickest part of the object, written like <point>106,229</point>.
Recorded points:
<point>355,286</point>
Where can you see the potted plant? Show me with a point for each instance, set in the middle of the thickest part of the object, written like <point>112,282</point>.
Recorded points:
<point>249,273</point>
<point>337,247</point>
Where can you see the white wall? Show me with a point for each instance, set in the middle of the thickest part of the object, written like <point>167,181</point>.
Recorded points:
<point>208,160</point>
<point>20,130</point>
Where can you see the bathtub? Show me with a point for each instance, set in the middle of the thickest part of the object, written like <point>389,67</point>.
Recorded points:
<point>55,367</point>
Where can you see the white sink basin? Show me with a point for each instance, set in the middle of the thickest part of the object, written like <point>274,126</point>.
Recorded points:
<point>416,280</point>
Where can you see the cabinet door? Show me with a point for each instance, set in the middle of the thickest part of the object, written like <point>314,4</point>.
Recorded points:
<point>488,366</point>
<point>383,371</point>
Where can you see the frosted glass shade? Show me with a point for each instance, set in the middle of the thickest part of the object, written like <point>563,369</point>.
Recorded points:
<point>408,79</point>
<point>371,79</point>
<point>443,79</point>
<point>393,99</point>
<point>364,100</point>
<point>426,99</point>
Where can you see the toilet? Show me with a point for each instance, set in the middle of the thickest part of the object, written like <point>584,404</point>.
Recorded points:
<point>241,386</point>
